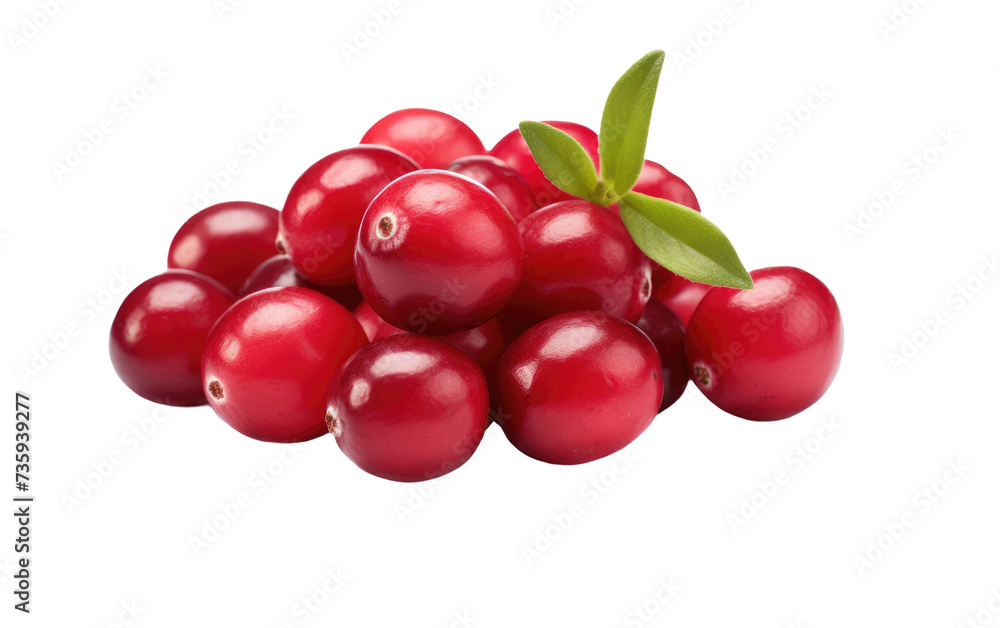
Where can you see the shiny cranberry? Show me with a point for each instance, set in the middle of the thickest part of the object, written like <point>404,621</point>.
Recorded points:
<point>502,180</point>
<point>437,253</point>
<point>431,138</point>
<point>579,256</point>
<point>159,333</point>
<point>667,333</point>
<point>370,321</point>
<point>768,353</point>
<point>408,408</point>
<point>270,358</point>
<point>279,271</point>
<point>577,387</point>
<point>225,241</point>
<point>513,150</point>
<point>655,180</point>
<point>320,219</point>
<point>680,296</point>
<point>484,344</point>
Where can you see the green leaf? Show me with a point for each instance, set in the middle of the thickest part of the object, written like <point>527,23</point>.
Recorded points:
<point>683,241</point>
<point>625,125</point>
<point>561,158</point>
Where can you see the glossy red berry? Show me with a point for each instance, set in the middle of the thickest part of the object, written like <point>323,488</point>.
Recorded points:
<point>655,180</point>
<point>502,180</point>
<point>577,387</point>
<point>279,271</point>
<point>408,408</point>
<point>667,333</point>
<point>225,242</point>
<point>513,150</point>
<point>579,256</point>
<point>431,138</point>
<point>370,321</point>
<point>484,344</point>
<point>269,360</point>
<point>680,296</point>
<point>437,253</point>
<point>768,353</point>
<point>320,219</point>
<point>159,333</point>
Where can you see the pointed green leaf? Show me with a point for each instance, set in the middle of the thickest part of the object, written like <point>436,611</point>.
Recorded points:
<point>682,240</point>
<point>625,125</point>
<point>563,161</point>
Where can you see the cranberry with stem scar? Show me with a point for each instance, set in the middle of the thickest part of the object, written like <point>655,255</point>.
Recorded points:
<point>667,333</point>
<point>502,180</point>
<point>431,138</point>
<point>320,219</point>
<point>768,353</point>
<point>279,271</point>
<point>269,360</point>
<point>437,253</point>
<point>159,333</point>
<point>577,387</point>
<point>225,241</point>
<point>408,408</point>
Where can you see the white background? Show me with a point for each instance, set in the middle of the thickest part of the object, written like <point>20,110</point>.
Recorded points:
<point>665,515</point>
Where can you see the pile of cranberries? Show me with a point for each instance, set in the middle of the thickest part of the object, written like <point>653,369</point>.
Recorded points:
<point>418,287</point>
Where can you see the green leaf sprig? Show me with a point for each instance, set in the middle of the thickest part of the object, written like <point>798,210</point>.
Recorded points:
<point>677,237</point>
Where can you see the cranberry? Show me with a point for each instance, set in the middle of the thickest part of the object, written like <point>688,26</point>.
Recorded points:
<point>502,180</point>
<point>279,271</point>
<point>681,296</point>
<point>513,150</point>
<point>408,408</point>
<point>484,344</point>
<point>768,353</point>
<point>370,321</point>
<point>577,387</point>
<point>159,333</point>
<point>431,138</point>
<point>225,241</point>
<point>437,253</point>
<point>579,256</point>
<point>667,333</point>
<point>319,223</point>
<point>655,180</point>
<point>270,358</point>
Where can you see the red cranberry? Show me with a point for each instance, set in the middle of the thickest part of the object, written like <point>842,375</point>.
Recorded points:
<point>437,253</point>
<point>159,333</point>
<point>431,138</point>
<point>270,358</point>
<point>680,296</point>
<point>513,150</point>
<point>408,408</point>
<point>225,241</point>
<point>484,344</point>
<point>279,271</point>
<point>319,223</point>
<point>667,333</point>
<point>579,256</point>
<point>370,321</point>
<point>768,353</point>
<point>578,387</point>
<point>655,180</point>
<point>502,180</point>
